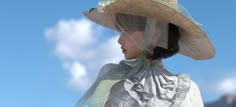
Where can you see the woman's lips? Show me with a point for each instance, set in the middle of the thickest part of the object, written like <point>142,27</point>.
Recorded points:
<point>123,50</point>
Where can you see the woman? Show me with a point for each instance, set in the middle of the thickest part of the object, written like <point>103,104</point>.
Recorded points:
<point>151,30</point>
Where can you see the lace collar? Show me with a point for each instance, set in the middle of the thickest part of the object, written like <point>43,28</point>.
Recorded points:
<point>150,83</point>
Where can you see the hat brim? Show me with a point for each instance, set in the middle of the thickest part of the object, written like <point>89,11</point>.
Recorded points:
<point>193,41</point>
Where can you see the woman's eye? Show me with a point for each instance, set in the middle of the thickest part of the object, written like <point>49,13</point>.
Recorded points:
<point>129,32</point>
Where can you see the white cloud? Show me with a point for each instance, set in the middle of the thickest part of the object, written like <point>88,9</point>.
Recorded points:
<point>216,84</point>
<point>77,43</point>
<point>79,76</point>
<point>227,85</point>
<point>72,37</point>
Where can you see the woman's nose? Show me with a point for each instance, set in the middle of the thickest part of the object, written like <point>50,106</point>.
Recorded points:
<point>120,40</point>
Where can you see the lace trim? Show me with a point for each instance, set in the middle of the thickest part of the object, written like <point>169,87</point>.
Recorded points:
<point>172,91</point>
<point>182,90</point>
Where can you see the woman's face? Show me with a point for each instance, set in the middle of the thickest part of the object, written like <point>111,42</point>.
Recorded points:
<point>131,43</point>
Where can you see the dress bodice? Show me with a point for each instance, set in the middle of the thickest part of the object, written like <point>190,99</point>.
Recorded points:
<point>151,86</point>
<point>141,83</point>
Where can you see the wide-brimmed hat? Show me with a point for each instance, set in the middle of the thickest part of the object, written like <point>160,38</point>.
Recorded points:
<point>193,41</point>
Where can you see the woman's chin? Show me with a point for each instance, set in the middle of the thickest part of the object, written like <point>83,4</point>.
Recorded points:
<point>129,57</point>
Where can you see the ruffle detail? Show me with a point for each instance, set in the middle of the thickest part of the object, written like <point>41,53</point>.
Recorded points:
<point>182,90</point>
<point>156,87</point>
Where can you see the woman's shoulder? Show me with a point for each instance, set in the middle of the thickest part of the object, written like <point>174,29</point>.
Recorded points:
<point>193,86</point>
<point>193,97</point>
<point>106,68</point>
<point>186,80</point>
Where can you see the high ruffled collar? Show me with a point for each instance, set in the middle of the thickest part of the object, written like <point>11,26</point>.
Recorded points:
<point>144,61</point>
<point>166,88</point>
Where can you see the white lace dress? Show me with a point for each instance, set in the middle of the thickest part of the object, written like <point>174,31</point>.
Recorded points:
<point>153,88</point>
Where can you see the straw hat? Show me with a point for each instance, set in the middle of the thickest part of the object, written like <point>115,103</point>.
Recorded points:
<point>193,41</point>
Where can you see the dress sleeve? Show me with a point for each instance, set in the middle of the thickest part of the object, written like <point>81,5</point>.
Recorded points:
<point>193,97</point>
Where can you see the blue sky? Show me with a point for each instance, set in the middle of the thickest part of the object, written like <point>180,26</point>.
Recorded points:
<point>39,67</point>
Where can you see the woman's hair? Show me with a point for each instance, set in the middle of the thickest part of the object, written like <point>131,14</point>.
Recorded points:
<point>131,23</point>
